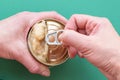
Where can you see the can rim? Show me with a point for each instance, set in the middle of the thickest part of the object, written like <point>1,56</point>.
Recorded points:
<point>31,52</point>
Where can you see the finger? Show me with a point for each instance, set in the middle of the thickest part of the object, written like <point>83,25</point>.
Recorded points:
<point>33,66</point>
<point>79,20</point>
<point>25,58</point>
<point>82,23</point>
<point>75,39</point>
<point>33,17</point>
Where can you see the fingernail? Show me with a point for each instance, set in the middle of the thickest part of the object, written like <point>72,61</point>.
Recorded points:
<point>46,73</point>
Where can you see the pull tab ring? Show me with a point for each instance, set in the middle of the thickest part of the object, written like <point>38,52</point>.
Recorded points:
<point>54,36</point>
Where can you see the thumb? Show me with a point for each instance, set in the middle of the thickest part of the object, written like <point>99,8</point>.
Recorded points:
<point>75,39</point>
<point>33,66</point>
<point>22,55</point>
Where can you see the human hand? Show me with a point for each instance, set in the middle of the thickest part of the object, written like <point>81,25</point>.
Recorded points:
<point>95,39</point>
<point>13,35</point>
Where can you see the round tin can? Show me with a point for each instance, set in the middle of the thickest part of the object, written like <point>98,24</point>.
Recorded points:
<point>50,55</point>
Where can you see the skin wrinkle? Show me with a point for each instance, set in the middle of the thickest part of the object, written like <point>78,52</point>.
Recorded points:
<point>108,67</point>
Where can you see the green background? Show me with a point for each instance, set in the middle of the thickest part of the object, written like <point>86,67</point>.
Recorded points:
<point>73,69</point>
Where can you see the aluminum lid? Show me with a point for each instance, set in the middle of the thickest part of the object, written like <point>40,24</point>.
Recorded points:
<point>50,55</point>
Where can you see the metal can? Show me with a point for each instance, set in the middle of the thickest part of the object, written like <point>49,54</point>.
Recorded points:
<point>50,55</point>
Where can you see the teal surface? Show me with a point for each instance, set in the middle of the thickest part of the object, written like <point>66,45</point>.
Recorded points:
<point>73,69</point>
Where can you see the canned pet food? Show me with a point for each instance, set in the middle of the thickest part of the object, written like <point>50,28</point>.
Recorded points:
<point>41,32</point>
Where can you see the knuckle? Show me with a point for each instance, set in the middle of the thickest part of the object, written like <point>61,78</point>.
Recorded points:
<point>105,21</point>
<point>75,15</point>
<point>25,12</point>
<point>54,12</point>
<point>34,69</point>
<point>104,18</point>
<point>81,15</point>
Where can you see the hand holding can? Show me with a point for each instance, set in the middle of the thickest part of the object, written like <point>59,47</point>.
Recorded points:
<point>13,38</point>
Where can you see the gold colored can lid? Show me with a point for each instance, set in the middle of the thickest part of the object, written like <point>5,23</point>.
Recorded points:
<point>50,55</point>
